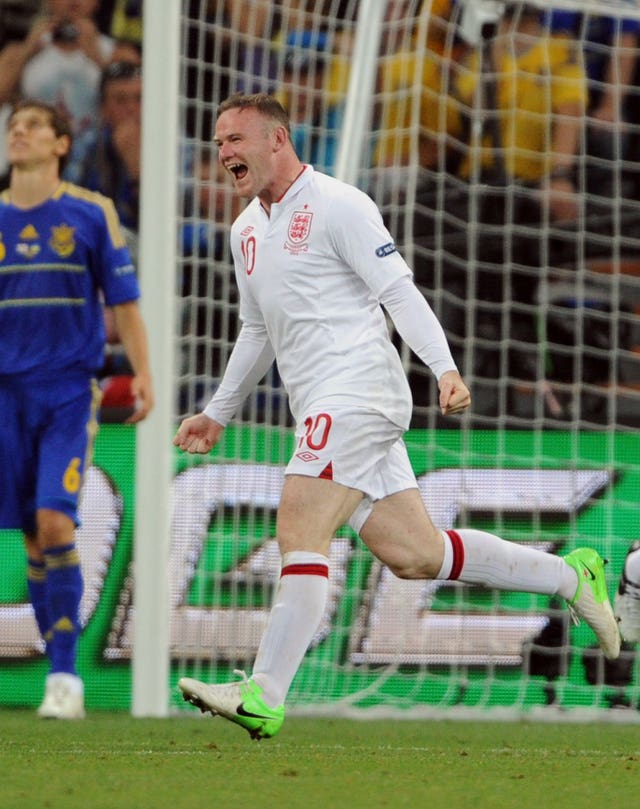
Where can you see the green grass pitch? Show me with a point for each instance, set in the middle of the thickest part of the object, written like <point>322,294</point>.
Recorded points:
<point>110,761</point>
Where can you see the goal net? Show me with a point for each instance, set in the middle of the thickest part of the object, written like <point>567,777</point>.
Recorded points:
<point>503,148</point>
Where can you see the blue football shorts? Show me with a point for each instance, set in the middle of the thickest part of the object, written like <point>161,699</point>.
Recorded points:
<point>46,439</point>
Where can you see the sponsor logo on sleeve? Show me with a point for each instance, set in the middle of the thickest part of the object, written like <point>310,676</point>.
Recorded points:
<point>385,250</point>
<point>126,269</point>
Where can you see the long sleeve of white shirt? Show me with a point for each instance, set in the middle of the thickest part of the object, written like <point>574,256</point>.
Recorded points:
<point>251,358</point>
<point>417,325</point>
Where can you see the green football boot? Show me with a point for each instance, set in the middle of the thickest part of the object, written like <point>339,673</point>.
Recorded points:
<point>241,703</point>
<point>591,601</point>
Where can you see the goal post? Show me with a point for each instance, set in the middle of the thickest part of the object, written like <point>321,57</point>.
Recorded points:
<point>157,269</point>
<point>360,89</point>
<point>542,317</point>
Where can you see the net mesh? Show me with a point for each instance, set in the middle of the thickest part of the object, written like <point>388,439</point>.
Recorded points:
<point>514,199</point>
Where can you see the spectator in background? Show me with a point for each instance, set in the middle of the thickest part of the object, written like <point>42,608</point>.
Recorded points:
<point>403,71</point>
<point>609,46</point>
<point>516,111</point>
<point>107,157</point>
<point>254,60</point>
<point>16,18</point>
<point>5,169</point>
<point>315,119</point>
<point>238,36</point>
<point>241,49</point>
<point>262,32</point>
<point>531,134</point>
<point>59,62</point>
<point>126,50</point>
<point>126,20</point>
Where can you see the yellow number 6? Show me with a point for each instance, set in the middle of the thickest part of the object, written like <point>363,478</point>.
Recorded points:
<point>72,479</point>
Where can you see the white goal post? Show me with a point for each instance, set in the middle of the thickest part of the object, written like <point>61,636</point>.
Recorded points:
<point>154,467</point>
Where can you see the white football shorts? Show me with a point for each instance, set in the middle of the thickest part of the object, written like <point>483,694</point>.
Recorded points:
<point>358,448</point>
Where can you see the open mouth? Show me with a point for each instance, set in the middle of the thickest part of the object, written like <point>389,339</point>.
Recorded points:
<point>239,170</point>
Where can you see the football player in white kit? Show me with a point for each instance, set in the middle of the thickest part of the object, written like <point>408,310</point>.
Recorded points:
<point>314,264</point>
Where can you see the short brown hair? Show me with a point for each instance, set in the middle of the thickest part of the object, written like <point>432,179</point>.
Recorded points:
<point>59,121</point>
<point>116,71</point>
<point>264,103</point>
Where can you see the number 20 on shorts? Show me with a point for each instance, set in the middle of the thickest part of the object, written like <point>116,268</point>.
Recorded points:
<point>317,431</point>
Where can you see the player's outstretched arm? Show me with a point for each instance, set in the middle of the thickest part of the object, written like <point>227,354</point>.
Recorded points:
<point>454,394</point>
<point>198,434</point>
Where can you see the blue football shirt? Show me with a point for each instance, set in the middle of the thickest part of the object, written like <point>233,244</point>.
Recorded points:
<point>59,262</point>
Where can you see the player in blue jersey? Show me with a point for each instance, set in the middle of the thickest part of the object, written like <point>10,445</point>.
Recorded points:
<point>62,257</point>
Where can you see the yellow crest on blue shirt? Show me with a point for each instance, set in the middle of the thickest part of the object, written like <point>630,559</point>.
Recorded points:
<point>29,232</point>
<point>28,247</point>
<point>3,249</point>
<point>62,241</point>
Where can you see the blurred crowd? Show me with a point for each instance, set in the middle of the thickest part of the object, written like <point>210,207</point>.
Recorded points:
<point>531,116</point>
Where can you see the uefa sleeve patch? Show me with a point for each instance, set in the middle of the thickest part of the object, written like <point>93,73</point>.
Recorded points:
<point>385,250</point>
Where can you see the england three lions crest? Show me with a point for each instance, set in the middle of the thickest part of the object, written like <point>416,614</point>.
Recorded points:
<point>298,232</point>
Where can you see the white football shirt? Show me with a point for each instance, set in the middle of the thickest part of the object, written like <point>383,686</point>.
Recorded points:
<point>312,274</point>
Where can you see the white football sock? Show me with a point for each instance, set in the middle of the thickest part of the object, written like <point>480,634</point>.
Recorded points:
<point>298,607</point>
<point>477,557</point>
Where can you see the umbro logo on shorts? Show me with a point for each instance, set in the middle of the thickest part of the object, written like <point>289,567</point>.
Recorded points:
<point>307,456</point>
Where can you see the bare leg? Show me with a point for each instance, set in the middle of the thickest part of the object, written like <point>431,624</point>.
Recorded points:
<point>400,533</point>
<point>310,512</point>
